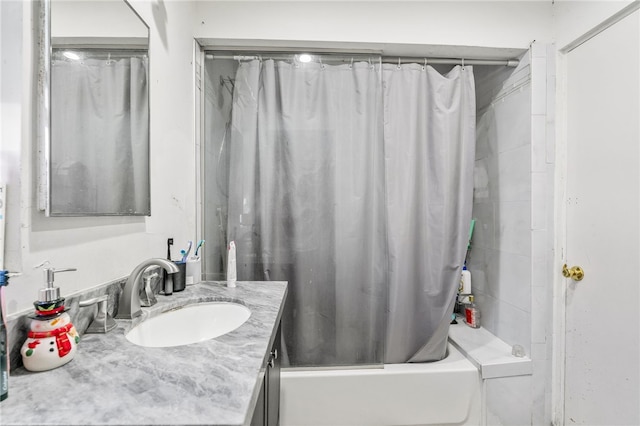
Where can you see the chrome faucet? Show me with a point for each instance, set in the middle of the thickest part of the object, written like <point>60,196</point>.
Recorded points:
<point>129,304</point>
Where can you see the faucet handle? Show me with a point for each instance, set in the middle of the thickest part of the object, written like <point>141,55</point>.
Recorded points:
<point>89,302</point>
<point>102,322</point>
<point>148,298</point>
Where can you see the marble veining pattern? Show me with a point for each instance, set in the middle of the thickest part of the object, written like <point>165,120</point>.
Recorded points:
<point>112,381</point>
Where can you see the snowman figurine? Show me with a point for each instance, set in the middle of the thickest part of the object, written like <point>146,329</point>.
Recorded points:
<point>51,342</point>
<point>52,339</point>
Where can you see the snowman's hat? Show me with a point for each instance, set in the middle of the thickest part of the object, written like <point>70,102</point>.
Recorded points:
<point>49,310</point>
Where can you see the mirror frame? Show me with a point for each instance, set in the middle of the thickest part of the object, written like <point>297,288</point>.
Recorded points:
<point>42,9</point>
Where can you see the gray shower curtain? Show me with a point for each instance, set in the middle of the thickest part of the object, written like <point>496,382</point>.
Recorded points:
<point>359,202</point>
<point>306,203</point>
<point>429,137</point>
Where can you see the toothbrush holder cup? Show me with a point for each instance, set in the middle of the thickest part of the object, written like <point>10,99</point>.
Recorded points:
<point>194,270</point>
<point>179,278</point>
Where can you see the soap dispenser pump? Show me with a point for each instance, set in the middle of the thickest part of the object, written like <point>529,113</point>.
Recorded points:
<point>52,339</point>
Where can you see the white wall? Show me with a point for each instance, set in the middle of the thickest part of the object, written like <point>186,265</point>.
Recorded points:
<point>106,18</point>
<point>572,18</point>
<point>102,248</point>
<point>459,23</point>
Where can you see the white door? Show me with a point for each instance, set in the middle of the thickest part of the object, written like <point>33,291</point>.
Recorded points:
<point>602,321</point>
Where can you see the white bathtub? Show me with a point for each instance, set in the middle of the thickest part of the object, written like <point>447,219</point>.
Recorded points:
<point>446,392</point>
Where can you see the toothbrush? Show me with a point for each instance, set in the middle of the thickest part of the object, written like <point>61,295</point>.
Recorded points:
<point>184,253</point>
<point>471,228</point>
<point>200,243</point>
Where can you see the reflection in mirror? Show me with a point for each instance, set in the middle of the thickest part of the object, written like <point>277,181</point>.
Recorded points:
<point>99,140</point>
<point>99,132</point>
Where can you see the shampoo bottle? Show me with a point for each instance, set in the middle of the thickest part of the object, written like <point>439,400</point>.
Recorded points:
<point>464,290</point>
<point>465,281</point>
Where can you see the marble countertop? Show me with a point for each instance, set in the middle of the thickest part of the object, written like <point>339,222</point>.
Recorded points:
<point>112,381</point>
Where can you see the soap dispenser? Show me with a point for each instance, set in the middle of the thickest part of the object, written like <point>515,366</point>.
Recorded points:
<point>52,339</point>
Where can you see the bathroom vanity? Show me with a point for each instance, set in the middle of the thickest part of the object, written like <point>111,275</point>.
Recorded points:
<point>267,408</point>
<point>228,380</point>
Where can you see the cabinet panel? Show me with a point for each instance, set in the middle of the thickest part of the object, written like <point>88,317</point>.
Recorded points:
<point>267,410</point>
<point>259,412</point>
<point>272,378</point>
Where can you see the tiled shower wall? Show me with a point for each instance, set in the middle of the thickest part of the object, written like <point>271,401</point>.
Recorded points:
<point>543,130</point>
<point>511,256</point>
<point>500,257</point>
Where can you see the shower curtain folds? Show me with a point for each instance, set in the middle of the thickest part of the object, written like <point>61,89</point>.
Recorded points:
<point>306,202</point>
<point>354,183</point>
<point>429,134</point>
<point>100,125</point>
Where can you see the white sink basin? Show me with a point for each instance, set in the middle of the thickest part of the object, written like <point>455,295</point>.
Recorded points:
<point>190,324</point>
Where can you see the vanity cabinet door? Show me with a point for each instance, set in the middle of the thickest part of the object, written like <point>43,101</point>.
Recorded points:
<point>259,412</point>
<point>272,378</point>
<point>267,411</point>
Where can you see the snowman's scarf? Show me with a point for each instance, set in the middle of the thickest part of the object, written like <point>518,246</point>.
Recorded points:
<point>62,339</point>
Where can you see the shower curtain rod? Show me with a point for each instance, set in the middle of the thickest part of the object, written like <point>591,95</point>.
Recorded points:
<point>385,59</point>
<point>450,61</point>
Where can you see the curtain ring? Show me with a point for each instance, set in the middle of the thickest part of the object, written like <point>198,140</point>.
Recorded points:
<point>462,63</point>
<point>424,67</point>
<point>398,63</point>
<point>370,63</point>
<point>351,65</point>
<point>321,64</point>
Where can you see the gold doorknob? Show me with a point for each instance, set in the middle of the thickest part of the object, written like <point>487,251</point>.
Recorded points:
<point>576,273</point>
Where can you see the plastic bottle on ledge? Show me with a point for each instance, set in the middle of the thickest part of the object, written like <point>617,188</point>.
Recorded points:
<point>472,314</point>
<point>465,281</point>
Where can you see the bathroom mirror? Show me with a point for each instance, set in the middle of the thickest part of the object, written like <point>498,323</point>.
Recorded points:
<point>97,156</point>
